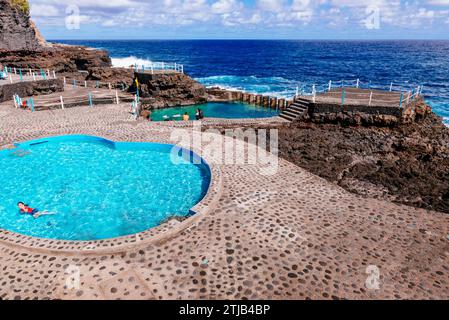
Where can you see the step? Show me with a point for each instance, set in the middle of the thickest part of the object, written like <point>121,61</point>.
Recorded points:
<point>303,100</point>
<point>301,104</point>
<point>295,110</point>
<point>287,117</point>
<point>298,108</point>
<point>293,113</point>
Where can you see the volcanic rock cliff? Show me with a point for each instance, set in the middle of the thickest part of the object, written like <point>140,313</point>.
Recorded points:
<point>22,46</point>
<point>17,31</point>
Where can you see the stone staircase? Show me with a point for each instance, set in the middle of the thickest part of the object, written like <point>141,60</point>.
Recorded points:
<point>296,110</point>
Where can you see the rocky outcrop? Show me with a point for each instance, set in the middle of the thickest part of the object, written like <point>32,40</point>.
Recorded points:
<point>30,88</point>
<point>61,58</point>
<point>407,164</point>
<point>118,77</point>
<point>17,31</point>
<point>168,90</point>
<point>22,45</point>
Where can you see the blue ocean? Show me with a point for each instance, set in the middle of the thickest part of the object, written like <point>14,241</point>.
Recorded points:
<point>277,67</point>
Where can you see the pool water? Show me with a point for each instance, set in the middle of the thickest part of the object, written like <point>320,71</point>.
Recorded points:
<point>97,188</point>
<point>225,110</point>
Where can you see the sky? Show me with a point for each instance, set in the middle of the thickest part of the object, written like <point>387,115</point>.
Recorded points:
<point>241,19</point>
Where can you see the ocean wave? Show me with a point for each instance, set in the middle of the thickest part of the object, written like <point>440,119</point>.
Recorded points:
<point>129,61</point>
<point>273,86</point>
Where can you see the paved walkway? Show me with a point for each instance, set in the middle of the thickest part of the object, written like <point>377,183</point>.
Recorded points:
<point>361,97</point>
<point>288,236</point>
<point>25,78</point>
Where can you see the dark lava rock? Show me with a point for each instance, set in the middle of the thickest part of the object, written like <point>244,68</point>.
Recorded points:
<point>409,163</point>
<point>167,90</point>
<point>17,31</point>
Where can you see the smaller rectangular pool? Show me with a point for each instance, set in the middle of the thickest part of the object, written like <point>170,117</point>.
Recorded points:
<point>225,110</point>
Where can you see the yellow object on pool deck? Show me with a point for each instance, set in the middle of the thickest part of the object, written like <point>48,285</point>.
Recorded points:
<point>185,117</point>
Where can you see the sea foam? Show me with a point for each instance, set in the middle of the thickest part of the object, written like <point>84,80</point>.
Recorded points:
<point>129,61</point>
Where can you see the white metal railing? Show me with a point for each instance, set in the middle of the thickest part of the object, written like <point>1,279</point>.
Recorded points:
<point>406,96</point>
<point>159,66</point>
<point>15,74</point>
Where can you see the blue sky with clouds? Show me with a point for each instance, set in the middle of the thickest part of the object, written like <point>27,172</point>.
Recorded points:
<point>248,19</point>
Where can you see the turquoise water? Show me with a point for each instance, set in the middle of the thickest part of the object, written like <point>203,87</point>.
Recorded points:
<point>97,188</point>
<point>232,110</point>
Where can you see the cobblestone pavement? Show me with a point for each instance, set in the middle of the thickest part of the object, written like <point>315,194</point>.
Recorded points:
<point>292,235</point>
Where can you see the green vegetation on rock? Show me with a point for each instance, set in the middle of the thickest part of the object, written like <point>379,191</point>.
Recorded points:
<point>23,5</point>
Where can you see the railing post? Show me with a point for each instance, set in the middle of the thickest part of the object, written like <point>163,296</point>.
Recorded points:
<point>401,99</point>
<point>34,77</point>
<point>65,80</point>
<point>370,98</point>
<point>32,104</point>
<point>330,85</point>
<point>297,91</point>
<point>15,71</point>
<point>21,76</point>
<point>85,84</point>
<point>15,101</point>
<point>109,85</point>
<point>343,96</point>
<point>90,100</point>
<point>358,83</point>
<point>54,74</point>
<point>10,78</point>
<point>391,87</point>
<point>62,103</point>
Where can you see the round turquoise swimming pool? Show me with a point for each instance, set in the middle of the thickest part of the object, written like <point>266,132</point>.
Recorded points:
<point>97,188</point>
<point>224,110</point>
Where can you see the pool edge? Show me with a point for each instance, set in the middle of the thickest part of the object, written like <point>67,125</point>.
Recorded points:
<point>158,234</point>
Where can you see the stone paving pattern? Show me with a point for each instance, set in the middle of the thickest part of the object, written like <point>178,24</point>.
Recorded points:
<point>288,236</point>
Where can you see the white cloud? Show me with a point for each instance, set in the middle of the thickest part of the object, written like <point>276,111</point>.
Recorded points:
<point>271,5</point>
<point>43,10</point>
<point>234,13</point>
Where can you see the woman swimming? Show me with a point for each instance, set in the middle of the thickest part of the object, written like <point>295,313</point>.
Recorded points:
<point>25,209</point>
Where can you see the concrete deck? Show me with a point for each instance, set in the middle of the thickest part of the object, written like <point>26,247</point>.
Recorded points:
<point>79,96</point>
<point>288,236</point>
<point>25,77</point>
<point>356,96</point>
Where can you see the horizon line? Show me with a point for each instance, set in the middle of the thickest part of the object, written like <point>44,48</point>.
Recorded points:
<point>242,39</point>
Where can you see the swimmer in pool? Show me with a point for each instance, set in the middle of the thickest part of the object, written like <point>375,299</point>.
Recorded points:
<point>25,209</point>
